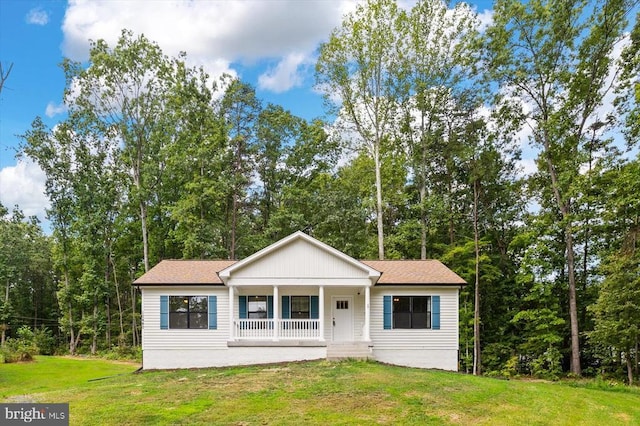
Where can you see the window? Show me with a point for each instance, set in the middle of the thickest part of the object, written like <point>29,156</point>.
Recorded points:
<point>411,311</point>
<point>300,307</point>
<point>257,307</point>
<point>188,312</point>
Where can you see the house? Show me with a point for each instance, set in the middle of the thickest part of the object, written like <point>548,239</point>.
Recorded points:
<point>299,299</point>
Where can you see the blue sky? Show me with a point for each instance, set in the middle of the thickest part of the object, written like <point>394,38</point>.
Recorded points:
<point>270,44</point>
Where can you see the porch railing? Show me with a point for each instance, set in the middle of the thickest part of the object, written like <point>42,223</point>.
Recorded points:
<point>299,329</point>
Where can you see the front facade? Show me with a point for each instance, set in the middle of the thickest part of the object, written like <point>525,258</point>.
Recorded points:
<point>299,299</point>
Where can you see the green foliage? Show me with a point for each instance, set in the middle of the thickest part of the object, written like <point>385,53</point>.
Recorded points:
<point>21,348</point>
<point>156,160</point>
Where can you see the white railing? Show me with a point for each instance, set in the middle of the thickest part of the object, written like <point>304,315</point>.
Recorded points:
<point>303,329</point>
<point>254,329</point>
<point>299,329</point>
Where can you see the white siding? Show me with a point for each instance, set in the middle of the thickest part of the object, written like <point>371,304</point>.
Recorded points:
<point>154,338</point>
<point>300,263</point>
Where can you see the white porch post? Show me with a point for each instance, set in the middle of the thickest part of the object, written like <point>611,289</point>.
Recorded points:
<point>321,312</point>
<point>231,315</point>
<point>276,314</point>
<point>367,313</point>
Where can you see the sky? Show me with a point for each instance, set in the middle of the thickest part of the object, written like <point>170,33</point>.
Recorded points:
<point>270,44</point>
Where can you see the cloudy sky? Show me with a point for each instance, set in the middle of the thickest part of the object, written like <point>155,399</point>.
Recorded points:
<point>270,44</point>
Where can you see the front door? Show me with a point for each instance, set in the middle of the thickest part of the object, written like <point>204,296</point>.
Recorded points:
<point>342,315</point>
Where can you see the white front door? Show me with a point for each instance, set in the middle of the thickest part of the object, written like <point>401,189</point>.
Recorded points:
<point>342,316</point>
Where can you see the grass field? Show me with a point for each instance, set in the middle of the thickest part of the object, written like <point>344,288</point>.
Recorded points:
<point>326,393</point>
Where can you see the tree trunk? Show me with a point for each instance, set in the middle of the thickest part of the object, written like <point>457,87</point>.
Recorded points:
<point>477,356</point>
<point>573,304</point>
<point>145,236</point>
<point>94,340</point>
<point>629,368</point>
<point>134,325</point>
<point>564,207</point>
<point>376,157</point>
<point>115,281</point>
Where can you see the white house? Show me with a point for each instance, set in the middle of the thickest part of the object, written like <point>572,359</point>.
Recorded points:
<point>299,299</point>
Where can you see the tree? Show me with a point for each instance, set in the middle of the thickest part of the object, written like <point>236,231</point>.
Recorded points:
<point>360,72</point>
<point>122,95</point>
<point>439,71</point>
<point>617,309</point>
<point>239,109</point>
<point>556,57</point>
<point>4,75</point>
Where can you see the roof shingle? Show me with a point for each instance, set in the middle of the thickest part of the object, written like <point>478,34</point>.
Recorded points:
<point>185,272</point>
<point>394,272</point>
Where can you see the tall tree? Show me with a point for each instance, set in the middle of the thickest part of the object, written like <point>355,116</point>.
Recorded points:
<point>439,62</point>
<point>556,57</point>
<point>123,94</point>
<point>360,72</point>
<point>239,109</point>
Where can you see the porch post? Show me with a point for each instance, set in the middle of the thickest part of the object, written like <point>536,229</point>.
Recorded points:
<point>321,312</point>
<point>367,313</point>
<point>231,315</point>
<point>276,313</point>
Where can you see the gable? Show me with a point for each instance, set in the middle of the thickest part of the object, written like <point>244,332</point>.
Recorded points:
<point>302,260</point>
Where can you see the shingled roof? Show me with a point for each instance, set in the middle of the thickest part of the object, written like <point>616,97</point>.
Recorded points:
<point>183,272</point>
<point>414,272</point>
<point>394,272</point>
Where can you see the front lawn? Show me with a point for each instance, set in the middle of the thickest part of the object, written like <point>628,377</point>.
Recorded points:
<point>321,392</point>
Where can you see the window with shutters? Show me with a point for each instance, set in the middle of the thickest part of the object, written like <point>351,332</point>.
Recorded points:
<point>188,312</point>
<point>411,311</point>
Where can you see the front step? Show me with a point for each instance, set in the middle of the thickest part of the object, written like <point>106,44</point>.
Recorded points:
<point>348,350</point>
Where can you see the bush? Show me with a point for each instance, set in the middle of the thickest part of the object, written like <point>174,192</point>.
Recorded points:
<point>27,344</point>
<point>44,341</point>
<point>17,350</point>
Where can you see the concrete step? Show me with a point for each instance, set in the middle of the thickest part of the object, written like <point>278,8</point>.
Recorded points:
<point>348,350</point>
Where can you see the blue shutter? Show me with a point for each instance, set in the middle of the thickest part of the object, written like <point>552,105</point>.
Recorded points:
<point>315,307</point>
<point>164,312</point>
<point>386,312</point>
<point>242,307</point>
<point>213,312</point>
<point>270,307</point>
<point>286,308</point>
<point>435,312</point>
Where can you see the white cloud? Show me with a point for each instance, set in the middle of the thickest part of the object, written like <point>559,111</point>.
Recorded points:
<point>53,109</point>
<point>485,19</point>
<point>24,185</point>
<point>214,33</point>
<point>37,16</point>
<point>287,74</point>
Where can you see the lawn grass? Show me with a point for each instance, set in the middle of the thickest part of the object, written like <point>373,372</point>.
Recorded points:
<point>320,392</point>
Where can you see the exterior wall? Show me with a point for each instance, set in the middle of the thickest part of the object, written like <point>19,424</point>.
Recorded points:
<point>153,338</point>
<point>202,358</point>
<point>423,348</point>
<point>209,348</point>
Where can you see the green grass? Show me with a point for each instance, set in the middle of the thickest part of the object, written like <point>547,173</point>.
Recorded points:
<point>321,392</point>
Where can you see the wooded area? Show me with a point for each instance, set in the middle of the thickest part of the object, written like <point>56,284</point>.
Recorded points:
<point>419,158</point>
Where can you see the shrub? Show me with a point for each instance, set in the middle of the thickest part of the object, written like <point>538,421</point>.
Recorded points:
<point>44,341</point>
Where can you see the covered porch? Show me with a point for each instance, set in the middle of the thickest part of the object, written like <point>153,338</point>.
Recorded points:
<point>299,314</point>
